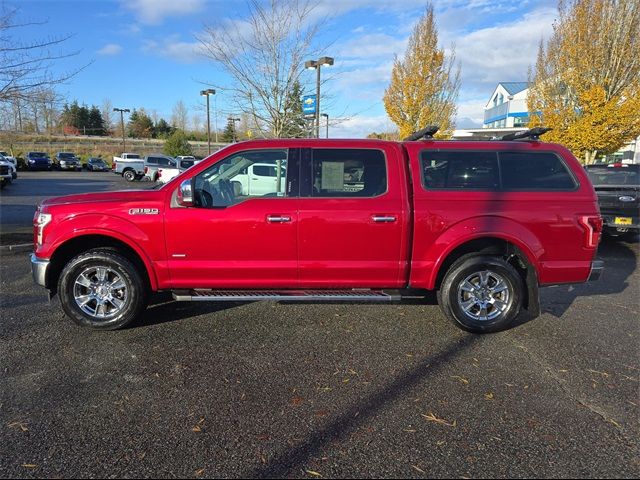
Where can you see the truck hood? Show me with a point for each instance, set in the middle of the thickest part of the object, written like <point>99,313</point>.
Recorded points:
<point>121,196</point>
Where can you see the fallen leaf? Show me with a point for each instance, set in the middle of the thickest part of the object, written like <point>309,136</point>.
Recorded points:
<point>296,401</point>
<point>199,472</point>
<point>323,412</point>
<point>432,418</point>
<point>29,465</point>
<point>611,420</point>
<point>20,425</point>
<point>460,379</point>
<point>488,396</point>
<point>315,474</point>
<point>415,467</point>
<point>604,374</point>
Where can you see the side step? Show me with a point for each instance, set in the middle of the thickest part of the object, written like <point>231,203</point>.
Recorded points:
<point>356,295</point>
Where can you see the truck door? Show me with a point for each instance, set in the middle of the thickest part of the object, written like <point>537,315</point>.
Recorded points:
<point>231,239</point>
<point>353,218</point>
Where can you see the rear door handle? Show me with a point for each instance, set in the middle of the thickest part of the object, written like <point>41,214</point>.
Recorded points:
<point>278,218</point>
<point>384,218</point>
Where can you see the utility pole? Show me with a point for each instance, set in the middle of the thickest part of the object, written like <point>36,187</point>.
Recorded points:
<point>122,112</point>
<point>206,93</point>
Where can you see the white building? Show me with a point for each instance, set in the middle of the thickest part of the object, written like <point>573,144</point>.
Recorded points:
<point>507,107</point>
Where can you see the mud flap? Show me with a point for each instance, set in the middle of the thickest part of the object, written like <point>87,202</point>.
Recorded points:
<point>533,294</point>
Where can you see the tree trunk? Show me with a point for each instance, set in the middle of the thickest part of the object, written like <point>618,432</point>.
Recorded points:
<point>590,156</point>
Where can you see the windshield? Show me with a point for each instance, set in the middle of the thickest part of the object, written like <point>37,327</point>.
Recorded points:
<point>66,155</point>
<point>38,154</point>
<point>609,175</point>
<point>96,160</point>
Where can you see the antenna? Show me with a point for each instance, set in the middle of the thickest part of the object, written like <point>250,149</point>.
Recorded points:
<point>426,133</point>
<point>532,134</point>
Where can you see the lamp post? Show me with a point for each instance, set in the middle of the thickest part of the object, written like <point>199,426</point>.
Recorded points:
<point>206,93</point>
<point>309,64</point>
<point>326,115</point>
<point>122,112</point>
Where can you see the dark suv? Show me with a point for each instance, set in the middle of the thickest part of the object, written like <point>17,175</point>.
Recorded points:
<point>618,188</point>
<point>67,161</point>
<point>38,161</point>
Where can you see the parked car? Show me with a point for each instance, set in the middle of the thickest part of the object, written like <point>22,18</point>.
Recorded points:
<point>129,165</point>
<point>67,161</point>
<point>9,158</point>
<point>38,161</point>
<point>97,165</point>
<point>8,172</point>
<point>165,174</point>
<point>482,223</point>
<point>156,161</point>
<point>618,188</point>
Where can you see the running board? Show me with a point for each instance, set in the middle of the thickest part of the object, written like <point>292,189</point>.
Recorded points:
<point>203,295</point>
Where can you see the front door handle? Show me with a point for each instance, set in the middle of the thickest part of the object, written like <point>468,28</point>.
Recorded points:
<point>384,218</point>
<point>278,218</point>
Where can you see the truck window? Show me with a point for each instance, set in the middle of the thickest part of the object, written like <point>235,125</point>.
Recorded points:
<point>459,170</point>
<point>228,181</point>
<point>348,172</point>
<point>534,171</point>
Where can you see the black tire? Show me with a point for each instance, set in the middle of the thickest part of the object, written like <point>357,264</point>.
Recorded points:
<point>129,175</point>
<point>497,293</point>
<point>81,290</point>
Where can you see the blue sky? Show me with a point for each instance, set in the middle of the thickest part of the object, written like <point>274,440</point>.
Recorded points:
<point>144,53</point>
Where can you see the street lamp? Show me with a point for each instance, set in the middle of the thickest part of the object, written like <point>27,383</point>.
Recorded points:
<point>309,64</point>
<point>122,112</point>
<point>234,120</point>
<point>326,115</point>
<point>206,93</point>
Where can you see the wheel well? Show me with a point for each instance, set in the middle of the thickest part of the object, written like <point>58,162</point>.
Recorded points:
<point>488,246</point>
<point>84,243</point>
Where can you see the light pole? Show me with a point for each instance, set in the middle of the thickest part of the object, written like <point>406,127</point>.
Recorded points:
<point>326,115</point>
<point>122,112</point>
<point>317,64</point>
<point>206,93</point>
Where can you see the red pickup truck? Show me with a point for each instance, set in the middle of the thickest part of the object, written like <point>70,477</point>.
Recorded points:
<point>485,223</point>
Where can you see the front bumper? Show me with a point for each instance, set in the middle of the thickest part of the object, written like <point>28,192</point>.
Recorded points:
<point>39,269</point>
<point>597,267</point>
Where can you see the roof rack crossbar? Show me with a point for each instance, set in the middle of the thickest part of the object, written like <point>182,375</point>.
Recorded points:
<point>426,133</point>
<point>531,134</point>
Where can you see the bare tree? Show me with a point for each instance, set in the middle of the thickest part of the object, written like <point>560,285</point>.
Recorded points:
<point>264,55</point>
<point>27,67</point>
<point>180,116</point>
<point>107,115</point>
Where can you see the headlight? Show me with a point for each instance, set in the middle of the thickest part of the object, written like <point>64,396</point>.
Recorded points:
<point>41,221</point>
<point>31,160</point>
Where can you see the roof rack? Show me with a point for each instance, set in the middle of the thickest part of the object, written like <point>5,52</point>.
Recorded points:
<point>531,134</point>
<point>426,133</point>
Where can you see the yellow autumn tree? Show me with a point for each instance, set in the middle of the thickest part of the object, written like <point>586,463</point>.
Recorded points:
<point>424,83</point>
<point>586,82</point>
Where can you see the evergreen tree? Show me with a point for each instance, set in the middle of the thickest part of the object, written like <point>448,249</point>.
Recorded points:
<point>95,124</point>
<point>229,133</point>
<point>295,125</point>
<point>163,129</point>
<point>140,124</point>
<point>177,144</point>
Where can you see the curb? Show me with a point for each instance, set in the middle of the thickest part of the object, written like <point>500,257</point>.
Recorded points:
<point>23,247</point>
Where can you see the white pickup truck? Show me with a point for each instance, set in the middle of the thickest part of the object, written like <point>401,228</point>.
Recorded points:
<point>165,174</point>
<point>129,165</point>
<point>259,179</point>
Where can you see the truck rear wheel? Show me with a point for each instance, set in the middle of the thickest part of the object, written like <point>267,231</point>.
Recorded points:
<point>101,289</point>
<point>129,175</point>
<point>481,294</point>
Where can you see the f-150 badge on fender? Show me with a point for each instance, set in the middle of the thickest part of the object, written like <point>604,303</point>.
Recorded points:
<point>143,211</point>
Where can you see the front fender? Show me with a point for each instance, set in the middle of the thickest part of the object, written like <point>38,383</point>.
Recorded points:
<point>131,234</point>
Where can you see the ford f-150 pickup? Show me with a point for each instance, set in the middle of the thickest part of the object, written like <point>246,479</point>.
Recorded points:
<point>484,223</point>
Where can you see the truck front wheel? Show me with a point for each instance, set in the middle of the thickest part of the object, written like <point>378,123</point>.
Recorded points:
<point>101,289</point>
<point>481,294</point>
<point>129,175</point>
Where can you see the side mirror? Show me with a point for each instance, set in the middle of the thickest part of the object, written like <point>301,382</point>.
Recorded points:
<point>185,194</point>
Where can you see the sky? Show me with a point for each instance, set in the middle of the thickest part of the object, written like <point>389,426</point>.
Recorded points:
<point>145,53</point>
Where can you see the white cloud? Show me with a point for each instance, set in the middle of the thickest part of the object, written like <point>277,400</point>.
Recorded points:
<point>110,49</point>
<point>155,11</point>
<point>360,126</point>
<point>173,48</point>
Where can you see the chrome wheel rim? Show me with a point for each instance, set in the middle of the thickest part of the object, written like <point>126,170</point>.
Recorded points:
<point>100,292</point>
<point>484,295</point>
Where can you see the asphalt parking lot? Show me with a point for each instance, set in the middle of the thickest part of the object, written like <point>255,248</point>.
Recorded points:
<point>291,390</point>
